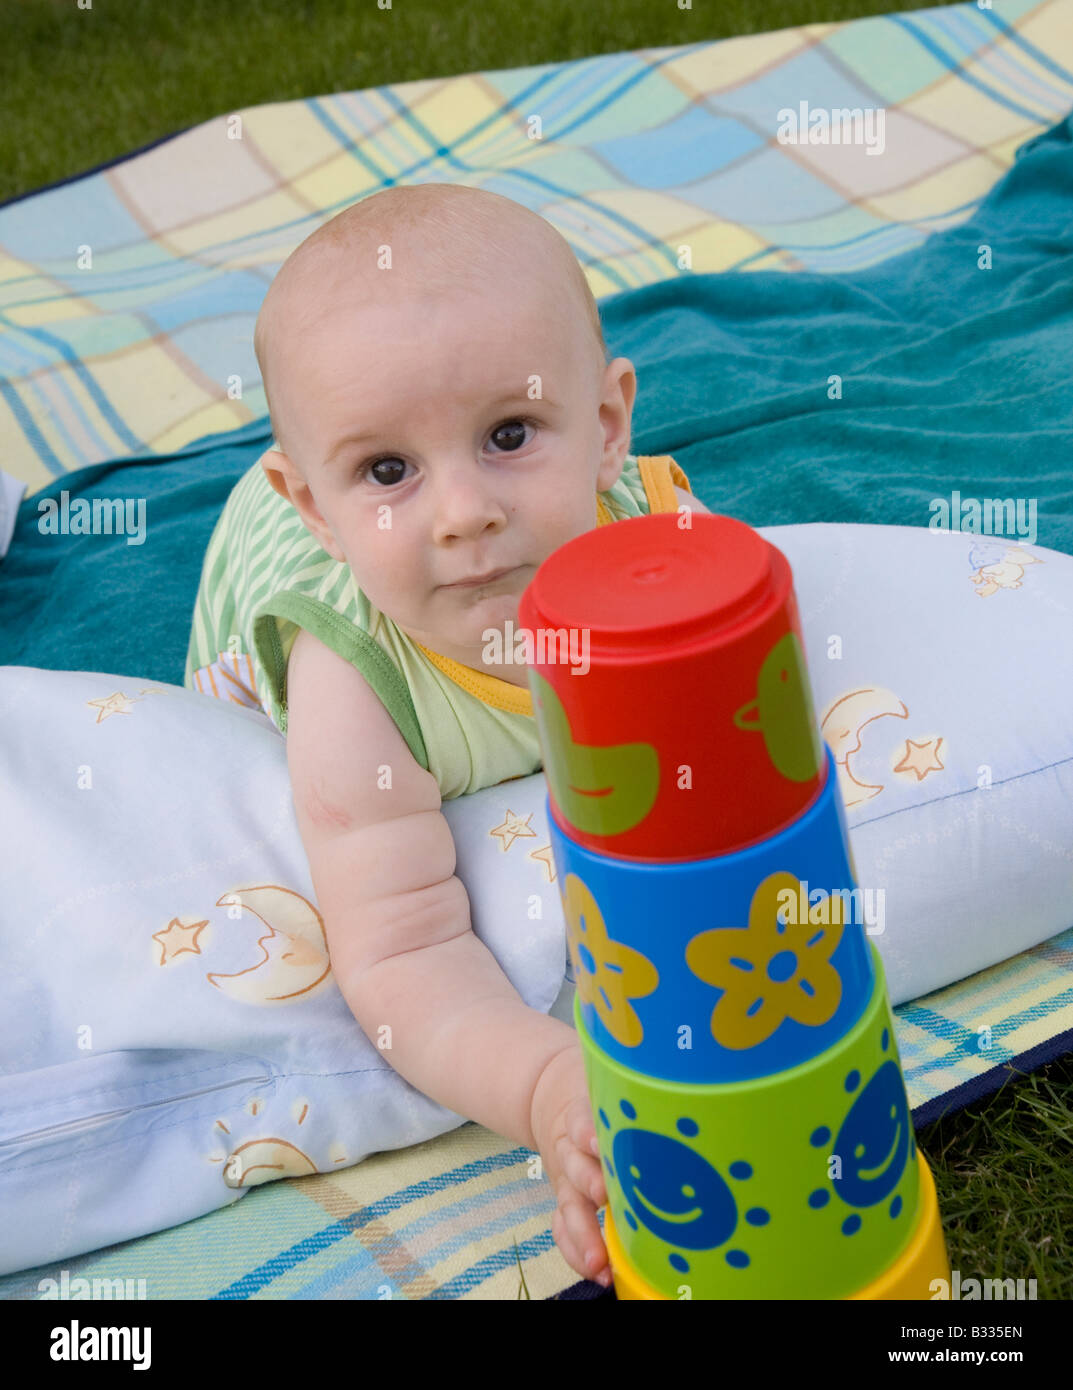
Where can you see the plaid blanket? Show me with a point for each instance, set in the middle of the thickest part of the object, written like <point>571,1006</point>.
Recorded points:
<point>128,296</point>
<point>128,302</point>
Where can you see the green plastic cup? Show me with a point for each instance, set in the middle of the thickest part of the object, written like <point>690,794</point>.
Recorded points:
<point>802,1184</point>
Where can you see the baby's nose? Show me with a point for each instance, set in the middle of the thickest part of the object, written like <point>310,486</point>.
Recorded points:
<point>467,504</point>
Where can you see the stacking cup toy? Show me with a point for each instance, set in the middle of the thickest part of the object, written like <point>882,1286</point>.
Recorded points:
<point>733,1016</point>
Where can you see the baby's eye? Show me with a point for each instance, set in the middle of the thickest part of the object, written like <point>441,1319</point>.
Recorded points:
<point>510,435</point>
<point>385,470</point>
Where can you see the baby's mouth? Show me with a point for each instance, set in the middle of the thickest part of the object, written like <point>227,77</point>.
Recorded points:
<point>497,577</point>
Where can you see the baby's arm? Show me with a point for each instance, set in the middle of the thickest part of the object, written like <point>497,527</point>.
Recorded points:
<point>399,934</point>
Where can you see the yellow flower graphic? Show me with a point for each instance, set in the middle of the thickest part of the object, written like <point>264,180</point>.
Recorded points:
<point>608,973</point>
<point>770,970</point>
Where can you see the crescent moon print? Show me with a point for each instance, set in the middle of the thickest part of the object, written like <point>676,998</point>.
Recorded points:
<point>294,954</point>
<point>841,730</point>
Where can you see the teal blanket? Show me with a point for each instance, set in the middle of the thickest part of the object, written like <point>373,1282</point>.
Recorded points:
<point>785,397</point>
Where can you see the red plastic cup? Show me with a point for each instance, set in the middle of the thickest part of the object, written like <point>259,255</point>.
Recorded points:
<point>670,688</point>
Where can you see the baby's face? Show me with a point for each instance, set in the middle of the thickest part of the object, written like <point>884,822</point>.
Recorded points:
<point>435,457</point>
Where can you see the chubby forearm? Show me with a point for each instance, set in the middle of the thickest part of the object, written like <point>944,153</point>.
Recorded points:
<point>449,1021</point>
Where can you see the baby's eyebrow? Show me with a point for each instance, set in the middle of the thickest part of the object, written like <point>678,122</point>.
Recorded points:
<point>521,396</point>
<point>347,442</point>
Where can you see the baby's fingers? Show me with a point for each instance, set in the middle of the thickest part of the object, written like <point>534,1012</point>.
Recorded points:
<point>580,1128</point>
<point>577,1233</point>
<point>584,1171</point>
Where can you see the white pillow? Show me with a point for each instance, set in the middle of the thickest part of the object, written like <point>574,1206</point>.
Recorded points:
<point>171,1034</point>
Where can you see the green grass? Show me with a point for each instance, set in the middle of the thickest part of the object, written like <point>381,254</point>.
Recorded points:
<point>80,87</point>
<point>1004,1174</point>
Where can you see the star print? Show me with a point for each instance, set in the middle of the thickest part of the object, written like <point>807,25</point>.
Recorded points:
<point>114,704</point>
<point>544,856</point>
<point>513,827</point>
<point>178,937</point>
<point>921,758</point>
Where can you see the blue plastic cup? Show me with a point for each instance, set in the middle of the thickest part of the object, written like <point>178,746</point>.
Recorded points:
<point>720,969</point>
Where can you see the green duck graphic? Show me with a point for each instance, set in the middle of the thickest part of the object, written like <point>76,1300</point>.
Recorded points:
<point>783,713</point>
<point>600,791</point>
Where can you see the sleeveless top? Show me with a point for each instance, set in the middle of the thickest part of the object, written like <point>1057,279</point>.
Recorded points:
<point>264,576</point>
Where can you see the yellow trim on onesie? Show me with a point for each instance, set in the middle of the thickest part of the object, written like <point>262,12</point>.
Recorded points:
<point>660,474</point>
<point>493,690</point>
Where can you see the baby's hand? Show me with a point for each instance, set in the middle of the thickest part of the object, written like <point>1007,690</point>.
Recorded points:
<point>562,1126</point>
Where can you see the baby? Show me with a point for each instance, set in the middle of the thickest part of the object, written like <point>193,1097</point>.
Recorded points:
<point>445,418</point>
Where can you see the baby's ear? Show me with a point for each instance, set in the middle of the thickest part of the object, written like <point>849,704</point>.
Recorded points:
<point>288,481</point>
<point>278,470</point>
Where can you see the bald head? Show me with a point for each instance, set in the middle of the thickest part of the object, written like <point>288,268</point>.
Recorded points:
<point>437,239</point>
